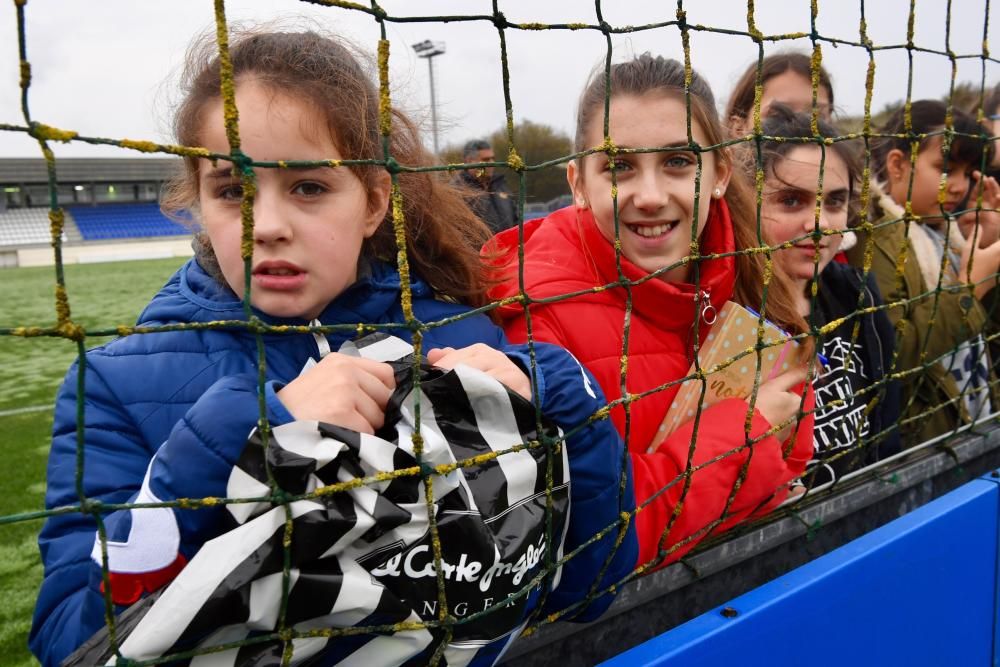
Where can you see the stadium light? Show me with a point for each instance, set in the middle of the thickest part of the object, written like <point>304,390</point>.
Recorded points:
<point>428,49</point>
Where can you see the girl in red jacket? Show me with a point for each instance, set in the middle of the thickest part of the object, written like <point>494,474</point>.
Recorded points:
<point>677,235</point>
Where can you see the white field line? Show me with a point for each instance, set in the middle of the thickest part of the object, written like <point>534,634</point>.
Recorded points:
<point>24,411</point>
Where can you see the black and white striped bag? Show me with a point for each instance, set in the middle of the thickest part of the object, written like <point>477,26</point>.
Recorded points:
<point>364,558</point>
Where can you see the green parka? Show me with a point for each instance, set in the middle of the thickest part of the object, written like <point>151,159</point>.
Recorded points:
<point>929,323</point>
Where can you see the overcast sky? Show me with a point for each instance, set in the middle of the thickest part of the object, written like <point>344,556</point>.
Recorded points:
<point>109,67</point>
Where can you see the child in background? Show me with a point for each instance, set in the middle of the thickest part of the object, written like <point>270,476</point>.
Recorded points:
<point>985,220</point>
<point>991,121</point>
<point>786,78</point>
<point>168,414</point>
<point>856,405</point>
<point>938,320</point>
<point>660,210</point>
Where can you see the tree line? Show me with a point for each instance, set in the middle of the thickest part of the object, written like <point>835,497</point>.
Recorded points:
<point>538,143</point>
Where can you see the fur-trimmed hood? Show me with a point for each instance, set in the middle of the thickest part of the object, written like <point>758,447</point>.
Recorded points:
<point>925,248</point>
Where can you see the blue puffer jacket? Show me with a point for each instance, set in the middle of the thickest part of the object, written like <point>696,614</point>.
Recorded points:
<point>191,398</point>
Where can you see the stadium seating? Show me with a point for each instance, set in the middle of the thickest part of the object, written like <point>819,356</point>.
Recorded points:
<point>25,226</point>
<point>124,221</point>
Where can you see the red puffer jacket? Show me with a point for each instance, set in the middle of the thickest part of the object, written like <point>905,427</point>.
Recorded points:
<point>566,253</point>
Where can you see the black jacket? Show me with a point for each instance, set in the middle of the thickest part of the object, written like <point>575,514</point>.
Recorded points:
<point>845,437</point>
<point>491,202</point>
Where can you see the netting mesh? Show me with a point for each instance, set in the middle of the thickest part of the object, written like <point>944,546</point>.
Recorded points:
<point>68,327</point>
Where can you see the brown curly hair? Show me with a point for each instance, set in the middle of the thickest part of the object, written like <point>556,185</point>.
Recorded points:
<point>443,236</point>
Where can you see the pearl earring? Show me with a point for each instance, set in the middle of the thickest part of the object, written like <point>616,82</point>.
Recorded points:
<point>717,193</point>
<point>581,202</point>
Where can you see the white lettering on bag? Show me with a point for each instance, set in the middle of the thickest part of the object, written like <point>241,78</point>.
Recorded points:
<point>419,563</point>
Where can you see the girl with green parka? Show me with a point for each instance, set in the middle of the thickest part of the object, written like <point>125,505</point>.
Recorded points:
<point>939,286</point>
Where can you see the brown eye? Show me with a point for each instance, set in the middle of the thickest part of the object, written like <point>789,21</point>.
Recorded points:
<point>230,192</point>
<point>790,200</point>
<point>679,161</point>
<point>836,202</point>
<point>309,189</point>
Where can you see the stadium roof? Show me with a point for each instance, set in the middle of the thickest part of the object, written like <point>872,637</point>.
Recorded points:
<point>25,171</point>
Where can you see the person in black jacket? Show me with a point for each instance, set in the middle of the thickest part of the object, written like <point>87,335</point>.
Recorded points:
<point>487,192</point>
<point>805,207</point>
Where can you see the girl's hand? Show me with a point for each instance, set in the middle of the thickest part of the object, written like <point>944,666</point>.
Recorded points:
<point>778,403</point>
<point>486,359</point>
<point>347,391</point>
<point>987,221</point>
<point>985,266</point>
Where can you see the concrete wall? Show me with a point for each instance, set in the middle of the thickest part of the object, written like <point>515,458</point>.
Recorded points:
<point>103,252</point>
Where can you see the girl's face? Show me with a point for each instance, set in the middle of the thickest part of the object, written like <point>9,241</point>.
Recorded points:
<point>927,179</point>
<point>788,209</point>
<point>795,92</point>
<point>308,223</point>
<point>656,191</point>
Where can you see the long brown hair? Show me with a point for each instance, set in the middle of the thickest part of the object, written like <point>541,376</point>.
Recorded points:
<point>647,74</point>
<point>741,99</point>
<point>442,234</point>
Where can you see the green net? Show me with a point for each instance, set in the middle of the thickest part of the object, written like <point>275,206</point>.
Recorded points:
<point>919,359</point>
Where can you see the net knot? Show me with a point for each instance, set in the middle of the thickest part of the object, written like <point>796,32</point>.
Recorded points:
<point>71,331</point>
<point>241,161</point>
<point>550,441</point>
<point>279,497</point>
<point>47,132</point>
<point>91,506</point>
<point>515,161</point>
<point>392,166</point>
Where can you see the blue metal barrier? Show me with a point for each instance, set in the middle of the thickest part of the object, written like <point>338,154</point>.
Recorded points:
<point>921,590</point>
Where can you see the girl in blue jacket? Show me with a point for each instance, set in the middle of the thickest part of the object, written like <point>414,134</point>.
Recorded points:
<point>167,414</point>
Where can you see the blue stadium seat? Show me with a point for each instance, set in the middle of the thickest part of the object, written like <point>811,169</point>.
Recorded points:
<point>124,221</point>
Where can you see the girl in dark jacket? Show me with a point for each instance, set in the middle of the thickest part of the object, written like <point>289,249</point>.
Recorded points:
<point>857,403</point>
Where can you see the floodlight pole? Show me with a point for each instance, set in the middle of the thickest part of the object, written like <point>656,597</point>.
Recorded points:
<point>428,49</point>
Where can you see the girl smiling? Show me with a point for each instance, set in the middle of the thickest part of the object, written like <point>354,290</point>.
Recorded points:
<point>655,297</point>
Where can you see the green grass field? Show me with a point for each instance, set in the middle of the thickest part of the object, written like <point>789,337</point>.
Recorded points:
<point>101,296</point>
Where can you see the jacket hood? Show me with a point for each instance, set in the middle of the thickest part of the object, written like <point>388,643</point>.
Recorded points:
<point>192,295</point>
<point>566,253</point>
<point>925,249</point>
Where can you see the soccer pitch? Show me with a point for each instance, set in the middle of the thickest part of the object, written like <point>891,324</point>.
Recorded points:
<point>101,296</point>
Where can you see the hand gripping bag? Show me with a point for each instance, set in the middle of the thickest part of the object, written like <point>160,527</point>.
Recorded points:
<point>361,570</point>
